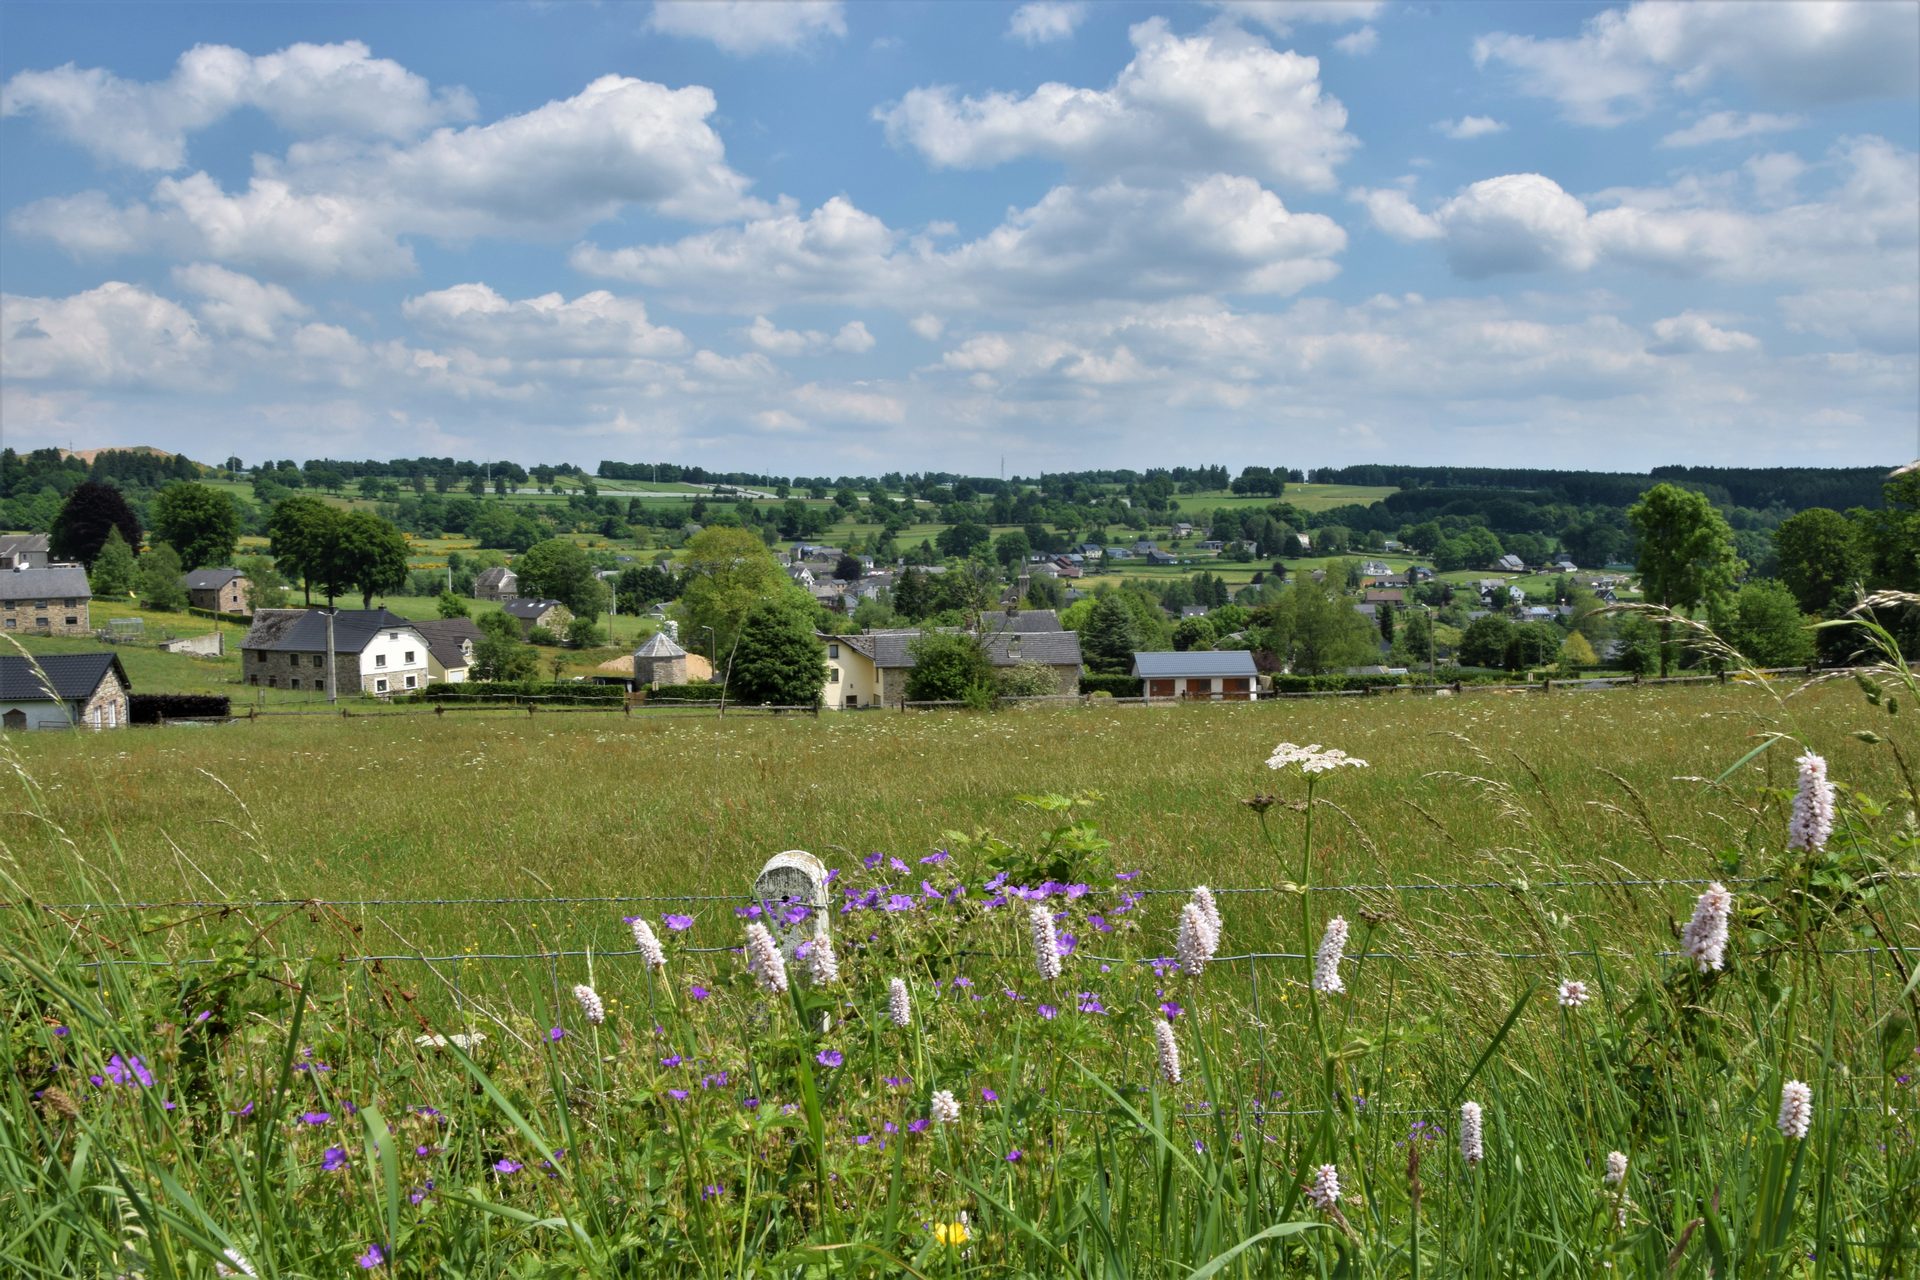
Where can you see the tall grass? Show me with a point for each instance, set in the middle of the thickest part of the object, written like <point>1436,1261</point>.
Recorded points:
<point>295,1117</point>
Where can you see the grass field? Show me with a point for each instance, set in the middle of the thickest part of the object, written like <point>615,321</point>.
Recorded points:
<point>685,1121</point>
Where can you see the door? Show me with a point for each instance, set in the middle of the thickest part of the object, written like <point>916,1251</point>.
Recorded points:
<point>1236,689</point>
<point>1159,688</point>
<point>14,719</point>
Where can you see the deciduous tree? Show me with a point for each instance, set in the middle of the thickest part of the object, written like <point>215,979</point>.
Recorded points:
<point>91,512</point>
<point>1686,557</point>
<point>202,523</point>
<point>778,661</point>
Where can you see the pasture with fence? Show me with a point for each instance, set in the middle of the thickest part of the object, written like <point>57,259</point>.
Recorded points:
<point>1544,987</point>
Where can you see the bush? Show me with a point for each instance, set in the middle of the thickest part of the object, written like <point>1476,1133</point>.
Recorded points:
<point>707,692</point>
<point>1331,683</point>
<point>152,708</point>
<point>519,691</point>
<point>1114,686</point>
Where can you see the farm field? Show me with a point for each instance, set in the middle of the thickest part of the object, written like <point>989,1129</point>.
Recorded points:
<point>1307,497</point>
<point>687,1119</point>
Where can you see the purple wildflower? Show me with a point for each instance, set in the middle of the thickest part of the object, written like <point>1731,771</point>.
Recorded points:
<point>678,1095</point>
<point>989,1095</point>
<point>1015,1156</point>
<point>375,1256</point>
<point>677,922</point>
<point>334,1159</point>
<point>506,1166</point>
<point>918,1126</point>
<point>1046,1011</point>
<point>557,1034</point>
<point>829,1057</point>
<point>315,1117</point>
<point>699,992</point>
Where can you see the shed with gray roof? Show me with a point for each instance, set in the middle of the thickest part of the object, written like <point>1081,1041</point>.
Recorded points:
<point>1217,675</point>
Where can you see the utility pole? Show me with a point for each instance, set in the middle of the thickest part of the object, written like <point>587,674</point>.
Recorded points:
<point>332,693</point>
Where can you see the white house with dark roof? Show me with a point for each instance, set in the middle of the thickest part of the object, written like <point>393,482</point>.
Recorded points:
<point>63,691</point>
<point>375,652</point>
<point>1226,675</point>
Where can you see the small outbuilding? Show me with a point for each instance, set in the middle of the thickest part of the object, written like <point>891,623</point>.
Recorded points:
<point>660,661</point>
<point>1226,675</point>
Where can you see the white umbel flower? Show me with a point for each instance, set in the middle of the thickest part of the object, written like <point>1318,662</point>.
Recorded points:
<point>1169,1049</point>
<point>1203,899</point>
<point>822,965</point>
<point>1796,1109</point>
<point>1046,945</point>
<point>1326,961</point>
<point>590,1005</point>
<point>764,960</point>
<point>1705,938</point>
<point>1812,806</point>
<point>899,1003</point>
<point>1312,759</point>
<point>944,1107</point>
<point>1616,1168</point>
<point>1472,1149</point>
<point>1194,945</point>
<point>1324,1191</point>
<point>1573,993</point>
<point>647,943</point>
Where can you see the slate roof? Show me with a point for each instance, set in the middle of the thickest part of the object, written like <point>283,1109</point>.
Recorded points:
<point>305,630</point>
<point>888,649</point>
<point>443,637</point>
<point>494,577</point>
<point>529,610</point>
<point>1025,621</point>
<point>23,543</point>
<point>61,582</point>
<point>1226,662</point>
<point>211,579</point>
<point>74,676</point>
<point>660,645</point>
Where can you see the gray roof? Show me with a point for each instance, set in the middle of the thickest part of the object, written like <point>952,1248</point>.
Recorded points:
<point>889,649</point>
<point>63,581</point>
<point>18,542</point>
<point>529,610</point>
<point>495,576</point>
<point>1025,621</point>
<point>74,676</point>
<point>305,630</point>
<point>443,637</point>
<point>1224,662</point>
<point>211,579</point>
<point>660,645</point>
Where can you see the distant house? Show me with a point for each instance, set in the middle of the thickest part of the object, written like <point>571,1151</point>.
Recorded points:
<point>1181,529</point>
<point>550,614</point>
<point>375,652</point>
<point>660,661</point>
<point>871,669</point>
<point>1160,557</point>
<point>1192,611</point>
<point>51,602</point>
<point>1212,544</point>
<point>1119,553</point>
<point>1224,676</point>
<point>1026,621</point>
<point>218,590</point>
<point>1384,595</point>
<point>802,575</point>
<point>24,551</point>
<point>1564,565</point>
<point>1375,569</point>
<point>84,690</point>
<point>450,645</point>
<point>498,583</point>
<point>1511,563</point>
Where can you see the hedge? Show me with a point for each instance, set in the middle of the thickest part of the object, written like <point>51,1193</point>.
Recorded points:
<point>1119,686</point>
<point>1331,683</point>
<point>683,693</point>
<point>152,708</point>
<point>519,691</point>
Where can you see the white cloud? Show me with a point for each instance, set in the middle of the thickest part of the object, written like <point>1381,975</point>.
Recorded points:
<point>846,404</point>
<point>1863,228</point>
<point>345,208</point>
<point>1046,21</point>
<point>1725,126</point>
<point>1884,318</point>
<point>312,89</point>
<point>1692,332</point>
<point>114,335</point>
<point>1798,54</point>
<point>853,338</point>
<point>1469,127</point>
<point>1280,16</point>
<point>1775,175</point>
<point>1116,240</point>
<point>593,324</point>
<point>238,304</point>
<point>743,27</point>
<point>1218,99</point>
<point>928,326</point>
<point>1358,44</point>
<point>771,338</point>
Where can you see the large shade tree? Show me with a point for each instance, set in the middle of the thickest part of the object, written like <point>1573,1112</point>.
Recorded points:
<point>200,522</point>
<point>778,660</point>
<point>91,512</point>
<point>1686,558</point>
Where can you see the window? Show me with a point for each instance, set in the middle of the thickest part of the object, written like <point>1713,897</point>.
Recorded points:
<point>273,682</point>
<point>379,686</point>
<point>253,679</point>
<point>73,620</point>
<point>393,635</point>
<point>409,657</point>
<point>411,682</point>
<point>833,675</point>
<point>379,659</point>
<point>12,623</point>
<point>294,683</point>
<point>319,660</point>
<point>42,623</point>
<point>833,651</point>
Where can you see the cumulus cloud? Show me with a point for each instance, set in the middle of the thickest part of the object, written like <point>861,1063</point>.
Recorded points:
<point>1863,227</point>
<point>1883,318</point>
<point>743,27</point>
<point>1219,233</point>
<point>238,304</point>
<point>1725,126</point>
<point>848,404</point>
<point>1625,60</point>
<point>928,326</point>
<point>853,338</point>
<point>311,89</point>
<point>1693,332</point>
<point>1469,127</point>
<point>1218,99</point>
<point>1046,21</point>
<point>116,335</point>
<point>346,208</point>
<point>593,324</point>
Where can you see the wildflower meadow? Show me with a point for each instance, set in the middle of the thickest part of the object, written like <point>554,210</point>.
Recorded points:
<point>1405,1001</point>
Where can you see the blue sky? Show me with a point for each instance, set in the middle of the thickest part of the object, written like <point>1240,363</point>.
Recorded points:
<point>825,238</point>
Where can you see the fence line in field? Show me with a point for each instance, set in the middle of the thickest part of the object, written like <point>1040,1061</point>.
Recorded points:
<point>1477,886</point>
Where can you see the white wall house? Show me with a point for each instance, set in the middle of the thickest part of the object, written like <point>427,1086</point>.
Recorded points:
<point>394,661</point>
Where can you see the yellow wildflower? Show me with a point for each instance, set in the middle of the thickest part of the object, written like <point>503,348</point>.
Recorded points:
<point>951,1234</point>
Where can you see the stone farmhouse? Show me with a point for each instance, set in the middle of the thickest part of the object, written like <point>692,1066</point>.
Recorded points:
<point>871,669</point>
<point>52,601</point>
<point>220,590</point>
<point>375,652</point>
<point>550,614</point>
<point>497,583</point>
<point>69,690</point>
